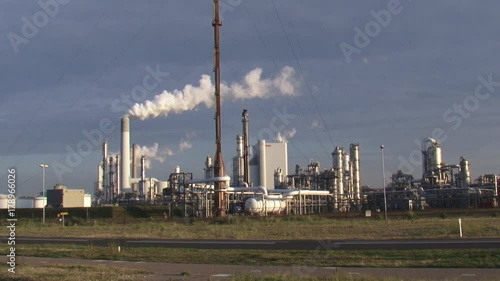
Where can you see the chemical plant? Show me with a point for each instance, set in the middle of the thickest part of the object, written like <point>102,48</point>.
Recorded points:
<point>262,184</point>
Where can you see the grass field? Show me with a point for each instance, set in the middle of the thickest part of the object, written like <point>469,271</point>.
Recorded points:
<point>480,258</point>
<point>293,227</point>
<point>59,272</point>
<point>62,272</point>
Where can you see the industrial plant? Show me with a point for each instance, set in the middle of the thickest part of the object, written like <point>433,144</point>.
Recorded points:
<point>261,182</point>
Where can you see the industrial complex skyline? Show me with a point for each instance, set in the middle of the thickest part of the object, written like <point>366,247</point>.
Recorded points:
<point>325,74</point>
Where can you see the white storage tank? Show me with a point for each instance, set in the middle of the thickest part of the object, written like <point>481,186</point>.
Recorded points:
<point>87,200</point>
<point>39,202</point>
<point>261,206</point>
<point>161,185</point>
<point>3,202</point>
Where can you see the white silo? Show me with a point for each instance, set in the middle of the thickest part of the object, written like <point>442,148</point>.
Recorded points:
<point>87,200</point>
<point>39,202</point>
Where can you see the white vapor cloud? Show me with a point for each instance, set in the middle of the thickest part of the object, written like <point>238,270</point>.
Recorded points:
<point>253,86</point>
<point>284,136</point>
<point>153,153</point>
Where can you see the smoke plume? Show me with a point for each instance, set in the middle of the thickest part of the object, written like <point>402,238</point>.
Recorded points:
<point>252,86</point>
<point>284,136</point>
<point>153,153</point>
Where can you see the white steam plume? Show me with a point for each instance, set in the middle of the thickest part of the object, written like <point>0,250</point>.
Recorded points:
<point>153,153</point>
<point>285,135</point>
<point>185,142</point>
<point>184,145</point>
<point>253,86</point>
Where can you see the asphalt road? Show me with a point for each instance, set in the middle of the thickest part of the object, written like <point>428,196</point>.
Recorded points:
<point>169,271</point>
<point>490,243</point>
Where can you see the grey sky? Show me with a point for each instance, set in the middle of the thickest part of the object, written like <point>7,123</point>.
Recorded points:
<point>396,90</point>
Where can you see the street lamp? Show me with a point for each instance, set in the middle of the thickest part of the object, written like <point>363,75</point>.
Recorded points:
<point>383,177</point>
<point>44,198</point>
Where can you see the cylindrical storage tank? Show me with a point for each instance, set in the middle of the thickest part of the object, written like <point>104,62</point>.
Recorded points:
<point>177,169</point>
<point>148,187</point>
<point>161,185</point>
<point>3,202</point>
<point>87,200</point>
<point>260,206</point>
<point>437,156</point>
<point>347,164</point>
<point>39,202</point>
<point>262,163</point>
<point>239,145</point>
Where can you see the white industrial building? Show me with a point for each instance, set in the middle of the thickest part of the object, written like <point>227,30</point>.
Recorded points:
<point>266,159</point>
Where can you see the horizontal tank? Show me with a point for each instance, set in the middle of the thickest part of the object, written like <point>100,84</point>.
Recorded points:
<point>39,202</point>
<point>261,206</point>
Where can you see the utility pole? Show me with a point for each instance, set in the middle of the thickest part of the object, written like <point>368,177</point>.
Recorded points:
<point>220,205</point>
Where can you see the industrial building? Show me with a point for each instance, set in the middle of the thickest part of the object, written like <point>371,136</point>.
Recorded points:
<point>63,197</point>
<point>442,185</point>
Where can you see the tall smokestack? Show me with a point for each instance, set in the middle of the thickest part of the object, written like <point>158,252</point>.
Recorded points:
<point>111,187</point>
<point>135,150</point>
<point>125,154</point>
<point>143,175</point>
<point>220,205</point>
<point>104,161</point>
<point>246,147</point>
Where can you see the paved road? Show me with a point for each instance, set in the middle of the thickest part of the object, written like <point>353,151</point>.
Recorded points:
<point>163,271</point>
<point>493,243</point>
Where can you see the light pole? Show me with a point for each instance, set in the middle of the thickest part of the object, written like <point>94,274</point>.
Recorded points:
<point>44,198</point>
<point>383,177</point>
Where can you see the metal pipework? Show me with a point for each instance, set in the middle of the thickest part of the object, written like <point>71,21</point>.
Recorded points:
<point>354,151</point>
<point>104,158</point>
<point>246,146</point>
<point>143,175</point>
<point>135,151</point>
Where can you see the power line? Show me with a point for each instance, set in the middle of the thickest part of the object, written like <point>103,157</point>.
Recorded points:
<point>302,72</point>
<point>261,38</point>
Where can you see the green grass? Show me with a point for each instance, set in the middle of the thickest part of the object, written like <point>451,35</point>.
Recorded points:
<point>293,227</point>
<point>62,272</point>
<point>478,258</point>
